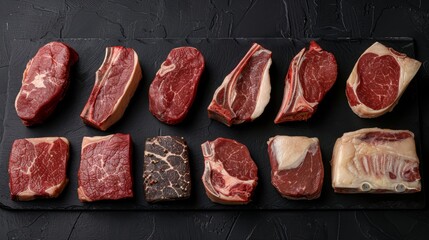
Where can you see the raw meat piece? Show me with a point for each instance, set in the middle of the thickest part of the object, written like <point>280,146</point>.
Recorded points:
<point>310,76</point>
<point>230,175</point>
<point>378,80</point>
<point>38,167</point>
<point>105,168</point>
<point>245,92</point>
<point>44,82</point>
<point>166,169</point>
<point>173,90</point>
<point>296,166</point>
<point>376,160</point>
<point>115,83</point>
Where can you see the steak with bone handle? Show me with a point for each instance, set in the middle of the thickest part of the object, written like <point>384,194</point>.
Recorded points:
<point>230,174</point>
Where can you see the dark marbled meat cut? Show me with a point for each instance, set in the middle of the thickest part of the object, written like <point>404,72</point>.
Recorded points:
<point>38,168</point>
<point>105,168</point>
<point>166,169</point>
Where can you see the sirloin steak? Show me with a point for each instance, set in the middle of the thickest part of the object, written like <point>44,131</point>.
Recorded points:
<point>245,92</point>
<point>38,167</point>
<point>378,80</point>
<point>173,90</point>
<point>166,169</point>
<point>44,82</point>
<point>230,174</point>
<point>115,83</point>
<point>310,76</point>
<point>376,160</point>
<point>296,166</point>
<point>105,168</point>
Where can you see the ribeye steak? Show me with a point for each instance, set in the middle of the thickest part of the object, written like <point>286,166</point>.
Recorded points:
<point>378,80</point>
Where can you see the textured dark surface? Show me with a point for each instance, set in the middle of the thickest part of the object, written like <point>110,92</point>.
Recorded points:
<point>166,175</point>
<point>294,18</point>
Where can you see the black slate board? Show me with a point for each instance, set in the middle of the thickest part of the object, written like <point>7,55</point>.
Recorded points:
<point>333,118</point>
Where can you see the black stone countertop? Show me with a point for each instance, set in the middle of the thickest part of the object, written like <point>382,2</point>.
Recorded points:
<point>36,20</point>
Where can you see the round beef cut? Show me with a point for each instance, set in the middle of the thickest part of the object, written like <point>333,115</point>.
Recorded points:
<point>44,82</point>
<point>115,83</point>
<point>296,166</point>
<point>374,160</point>
<point>105,168</point>
<point>173,90</point>
<point>230,175</point>
<point>378,79</point>
<point>245,92</point>
<point>38,167</point>
<point>311,74</point>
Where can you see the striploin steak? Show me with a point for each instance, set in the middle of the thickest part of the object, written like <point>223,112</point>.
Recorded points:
<point>230,174</point>
<point>376,160</point>
<point>245,92</point>
<point>115,83</point>
<point>166,169</point>
<point>105,168</point>
<point>296,166</point>
<point>38,167</point>
<point>311,74</point>
<point>44,82</point>
<point>379,78</point>
<point>173,90</point>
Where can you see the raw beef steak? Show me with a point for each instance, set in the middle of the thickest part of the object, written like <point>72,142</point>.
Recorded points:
<point>376,160</point>
<point>230,175</point>
<point>311,74</point>
<point>38,167</point>
<point>245,92</point>
<point>173,90</point>
<point>296,166</point>
<point>378,80</point>
<point>105,168</point>
<point>166,169</point>
<point>44,82</point>
<point>115,83</point>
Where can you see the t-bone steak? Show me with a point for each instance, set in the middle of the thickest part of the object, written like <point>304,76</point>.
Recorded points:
<point>230,174</point>
<point>378,80</point>
<point>173,90</point>
<point>296,166</point>
<point>245,92</point>
<point>376,160</point>
<point>105,168</point>
<point>115,83</point>
<point>166,169</point>
<point>44,82</point>
<point>311,74</point>
<point>38,167</point>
